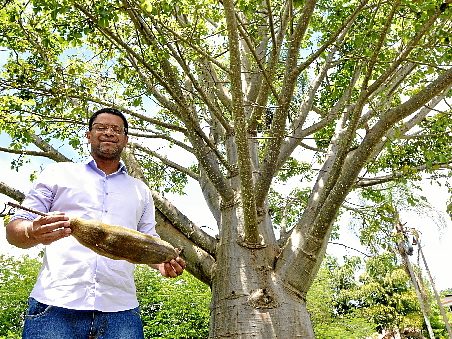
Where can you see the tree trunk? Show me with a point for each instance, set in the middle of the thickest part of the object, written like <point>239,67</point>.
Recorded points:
<point>248,299</point>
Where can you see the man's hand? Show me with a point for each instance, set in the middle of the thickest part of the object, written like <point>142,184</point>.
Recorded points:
<point>50,228</point>
<point>172,268</point>
<point>43,230</point>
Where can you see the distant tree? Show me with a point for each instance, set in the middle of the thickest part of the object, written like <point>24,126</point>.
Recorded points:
<point>386,295</point>
<point>321,303</point>
<point>367,297</point>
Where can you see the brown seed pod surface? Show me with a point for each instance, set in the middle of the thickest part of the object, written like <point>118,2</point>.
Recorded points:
<point>117,242</point>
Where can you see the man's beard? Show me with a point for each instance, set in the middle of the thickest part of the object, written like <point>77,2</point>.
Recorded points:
<point>107,153</point>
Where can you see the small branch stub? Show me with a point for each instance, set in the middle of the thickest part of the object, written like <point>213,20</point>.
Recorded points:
<point>252,245</point>
<point>262,298</point>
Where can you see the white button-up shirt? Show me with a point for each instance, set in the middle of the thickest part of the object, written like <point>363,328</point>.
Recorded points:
<point>73,276</point>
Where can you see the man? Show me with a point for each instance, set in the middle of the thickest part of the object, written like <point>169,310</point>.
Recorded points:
<point>78,293</point>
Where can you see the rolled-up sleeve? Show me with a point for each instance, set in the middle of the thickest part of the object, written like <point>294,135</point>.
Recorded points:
<point>39,197</point>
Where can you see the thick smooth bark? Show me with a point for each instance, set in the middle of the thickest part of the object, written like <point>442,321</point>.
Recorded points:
<point>248,298</point>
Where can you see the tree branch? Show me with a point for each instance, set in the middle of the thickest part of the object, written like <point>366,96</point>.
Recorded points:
<point>26,152</point>
<point>272,62</point>
<point>11,192</point>
<point>166,161</point>
<point>404,54</point>
<point>251,235</point>
<point>310,238</point>
<point>363,182</point>
<point>270,163</point>
<point>47,150</point>
<point>199,262</point>
<point>184,225</point>
<point>194,131</point>
<point>333,38</point>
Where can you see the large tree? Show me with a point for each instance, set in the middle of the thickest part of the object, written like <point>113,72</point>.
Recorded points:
<point>342,95</point>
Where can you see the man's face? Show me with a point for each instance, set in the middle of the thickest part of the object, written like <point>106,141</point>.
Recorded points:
<point>107,137</point>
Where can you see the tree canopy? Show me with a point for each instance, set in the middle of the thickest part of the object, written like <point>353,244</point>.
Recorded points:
<point>328,97</point>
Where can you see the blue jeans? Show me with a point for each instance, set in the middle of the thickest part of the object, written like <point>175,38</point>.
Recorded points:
<point>51,322</point>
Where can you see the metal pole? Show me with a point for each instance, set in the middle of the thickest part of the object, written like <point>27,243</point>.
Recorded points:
<point>438,300</point>
<point>401,248</point>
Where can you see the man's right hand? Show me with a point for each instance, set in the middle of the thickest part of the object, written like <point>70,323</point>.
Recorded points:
<point>43,230</point>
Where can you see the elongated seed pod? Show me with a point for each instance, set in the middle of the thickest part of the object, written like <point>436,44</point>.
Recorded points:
<point>117,242</point>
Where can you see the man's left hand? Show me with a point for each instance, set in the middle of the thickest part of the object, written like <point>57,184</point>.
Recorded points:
<point>172,268</point>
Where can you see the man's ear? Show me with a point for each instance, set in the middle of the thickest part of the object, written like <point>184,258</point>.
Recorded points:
<point>88,136</point>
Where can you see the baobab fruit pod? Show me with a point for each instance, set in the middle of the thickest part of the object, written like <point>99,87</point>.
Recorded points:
<point>117,242</point>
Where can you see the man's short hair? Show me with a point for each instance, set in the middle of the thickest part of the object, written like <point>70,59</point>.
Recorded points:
<point>108,110</point>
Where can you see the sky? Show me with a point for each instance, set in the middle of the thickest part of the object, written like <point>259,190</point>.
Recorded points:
<point>435,227</point>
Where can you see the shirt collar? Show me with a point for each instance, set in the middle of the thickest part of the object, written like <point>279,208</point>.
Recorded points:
<point>91,163</point>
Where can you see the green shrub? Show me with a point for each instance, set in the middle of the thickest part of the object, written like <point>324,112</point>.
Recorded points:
<point>17,277</point>
<point>172,308</point>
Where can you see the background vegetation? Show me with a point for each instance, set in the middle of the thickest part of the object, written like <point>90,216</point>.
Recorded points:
<point>355,299</point>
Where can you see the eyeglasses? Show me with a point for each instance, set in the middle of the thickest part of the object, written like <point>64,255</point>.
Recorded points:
<point>101,128</point>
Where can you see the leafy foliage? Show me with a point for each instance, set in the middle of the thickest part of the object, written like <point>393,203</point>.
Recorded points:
<point>343,302</point>
<point>376,210</point>
<point>350,300</point>
<point>176,308</point>
<point>17,278</point>
<point>328,323</point>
